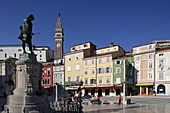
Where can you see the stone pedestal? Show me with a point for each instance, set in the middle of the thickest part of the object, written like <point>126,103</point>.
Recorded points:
<point>28,94</point>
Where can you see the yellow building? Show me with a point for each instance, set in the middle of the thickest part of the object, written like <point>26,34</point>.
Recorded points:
<point>97,71</point>
<point>74,65</point>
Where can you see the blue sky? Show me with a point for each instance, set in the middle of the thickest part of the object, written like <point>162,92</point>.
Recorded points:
<point>126,23</point>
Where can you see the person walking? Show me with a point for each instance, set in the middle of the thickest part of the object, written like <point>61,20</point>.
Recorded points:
<point>120,99</point>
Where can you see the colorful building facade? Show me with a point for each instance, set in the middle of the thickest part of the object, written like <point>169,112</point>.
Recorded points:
<point>97,74</point>
<point>144,63</point>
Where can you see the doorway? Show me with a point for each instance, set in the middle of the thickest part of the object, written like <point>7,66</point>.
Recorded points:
<point>143,90</point>
<point>100,92</point>
<point>161,89</point>
<point>117,91</point>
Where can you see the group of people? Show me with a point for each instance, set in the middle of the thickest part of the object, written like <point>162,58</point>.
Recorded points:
<point>72,99</point>
<point>95,99</point>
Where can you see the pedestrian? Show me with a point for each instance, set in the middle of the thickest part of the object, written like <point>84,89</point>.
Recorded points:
<point>120,99</point>
<point>63,99</point>
<point>72,99</point>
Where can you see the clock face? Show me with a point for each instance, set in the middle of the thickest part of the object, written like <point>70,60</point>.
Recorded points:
<point>58,45</point>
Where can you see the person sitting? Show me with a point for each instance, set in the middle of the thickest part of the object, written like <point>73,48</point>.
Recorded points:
<point>63,99</point>
<point>93,100</point>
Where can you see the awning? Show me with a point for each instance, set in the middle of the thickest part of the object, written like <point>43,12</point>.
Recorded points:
<point>144,84</point>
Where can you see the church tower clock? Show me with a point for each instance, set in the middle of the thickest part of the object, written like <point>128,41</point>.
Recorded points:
<point>59,39</point>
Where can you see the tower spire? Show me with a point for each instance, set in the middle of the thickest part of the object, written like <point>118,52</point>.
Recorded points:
<point>58,27</point>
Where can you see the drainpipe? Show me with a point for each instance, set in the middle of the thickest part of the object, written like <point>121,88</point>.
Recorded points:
<point>124,83</point>
<point>96,74</point>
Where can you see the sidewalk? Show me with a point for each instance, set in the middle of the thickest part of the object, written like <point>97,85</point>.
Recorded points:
<point>149,96</point>
<point>132,108</point>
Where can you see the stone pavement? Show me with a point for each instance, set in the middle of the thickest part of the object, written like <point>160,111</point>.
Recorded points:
<point>132,108</point>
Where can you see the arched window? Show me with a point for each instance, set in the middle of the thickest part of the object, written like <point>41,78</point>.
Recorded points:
<point>48,81</point>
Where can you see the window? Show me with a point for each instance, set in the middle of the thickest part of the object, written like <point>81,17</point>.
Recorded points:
<point>15,55</point>
<point>100,60</point>
<point>100,70</point>
<point>118,62</point>
<point>138,76</point>
<point>5,55</point>
<point>100,80</point>
<point>108,69</point>
<point>150,56</point>
<point>77,67</point>
<point>85,45</point>
<point>108,50</point>
<point>114,49</point>
<point>69,68</point>
<point>45,71</point>
<point>85,71</point>
<point>118,70</point>
<point>161,75</point>
<point>131,71</point>
<point>85,81</point>
<point>150,64</point>
<point>92,70</point>
<point>69,59</point>
<point>150,46</point>
<point>49,72</point>
<point>43,81</point>
<point>137,50</point>
<point>161,63</point>
<point>150,77</point>
<point>61,76</point>
<point>69,79</point>
<point>92,61</point>
<point>107,59</point>
<point>137,58</point>
<point>73,48</point>
<point>40,55</point>
<point>19,50</point>
<point>107,80</point>
<point>130,81</point>
<point>92,81</point>
<point>77,57</point>
<point>48,81</point>
<point>85,62</point>
<point>102,51</point>
<point>161,54</point>
<point>77,78</point>
<point>118,80</point>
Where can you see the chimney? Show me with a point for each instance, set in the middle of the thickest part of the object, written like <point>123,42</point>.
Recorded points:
<point>111,44</point>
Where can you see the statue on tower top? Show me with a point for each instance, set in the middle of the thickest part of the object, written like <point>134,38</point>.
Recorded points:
<point>26,33</point>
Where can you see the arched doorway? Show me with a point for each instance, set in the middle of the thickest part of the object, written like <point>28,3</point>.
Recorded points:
<point>161,89</point>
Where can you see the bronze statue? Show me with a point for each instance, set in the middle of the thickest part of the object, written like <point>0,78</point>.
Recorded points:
<point>26,33</point>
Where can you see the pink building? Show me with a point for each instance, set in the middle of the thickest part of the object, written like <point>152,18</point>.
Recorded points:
<point>47,78</point>
<point>144,63</point>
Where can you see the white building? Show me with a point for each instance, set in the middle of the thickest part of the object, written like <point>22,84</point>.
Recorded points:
<point>44,53</point>
<point>162,71</point>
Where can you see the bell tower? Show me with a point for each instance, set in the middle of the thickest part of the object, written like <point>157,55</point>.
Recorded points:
<point>58,39</point>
